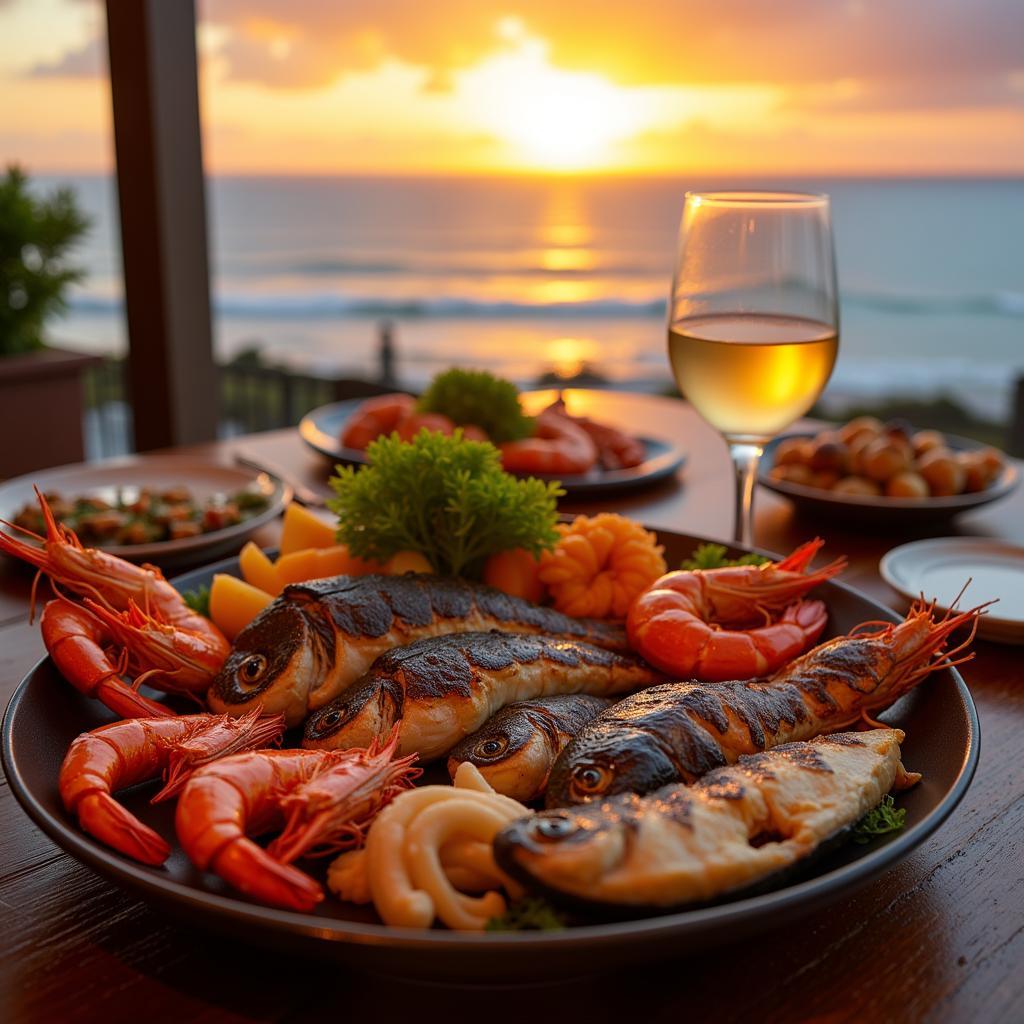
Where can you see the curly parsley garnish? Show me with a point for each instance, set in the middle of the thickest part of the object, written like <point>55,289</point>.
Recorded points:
<point>715,556</point>
<point>445,497</point>
<point>879,821</point>
<point>531,914</point>
<point>480,398</point>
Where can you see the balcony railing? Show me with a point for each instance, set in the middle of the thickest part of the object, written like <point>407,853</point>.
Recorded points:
<point>254,397</point>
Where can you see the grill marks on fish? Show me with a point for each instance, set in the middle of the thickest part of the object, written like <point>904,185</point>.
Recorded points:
<point>443,688</point>
<point>372,606</point>
<point>516,748</point>
<point>677,732</point>
<point>738,826</point>
<point>317,638</point>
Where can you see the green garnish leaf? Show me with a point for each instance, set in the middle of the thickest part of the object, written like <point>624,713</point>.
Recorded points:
<point>198,600</point>
<point>480,398</point>
<point>880,820</point>
<point>444,497</point>
<point>531,914</point>
<point>715,556</point>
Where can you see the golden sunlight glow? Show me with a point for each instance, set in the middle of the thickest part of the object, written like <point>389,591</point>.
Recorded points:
<point>566,259</point>
<point>568,356</point>
<point>458,88</point>
<point>555,119</point>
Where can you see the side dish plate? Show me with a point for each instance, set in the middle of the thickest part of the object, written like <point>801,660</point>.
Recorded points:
<point>45,714</point>
<point>938,567</point>
<point>321,428</point>
<point>865,510</point>
<point>158,472</point>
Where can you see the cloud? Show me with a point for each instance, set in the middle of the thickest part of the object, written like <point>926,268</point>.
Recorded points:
<point>909,93</point>
<point>657,42</point>
<point>833,55</point>
<point>86,61</point>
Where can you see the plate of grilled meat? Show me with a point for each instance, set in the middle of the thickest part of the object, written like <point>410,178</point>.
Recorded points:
<point>424,774</point>
<point>585,455</point>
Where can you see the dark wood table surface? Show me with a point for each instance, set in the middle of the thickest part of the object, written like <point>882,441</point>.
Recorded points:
<point>940,937</point>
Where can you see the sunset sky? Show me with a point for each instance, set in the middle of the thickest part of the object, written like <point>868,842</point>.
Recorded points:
<point>649,86</point>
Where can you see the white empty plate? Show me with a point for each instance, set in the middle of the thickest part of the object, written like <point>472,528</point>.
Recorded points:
<point>939,569</point>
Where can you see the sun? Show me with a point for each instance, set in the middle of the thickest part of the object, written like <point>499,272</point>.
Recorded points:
<point>555,119</point>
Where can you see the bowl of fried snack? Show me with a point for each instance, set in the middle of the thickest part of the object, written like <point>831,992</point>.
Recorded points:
<point>870,471</point>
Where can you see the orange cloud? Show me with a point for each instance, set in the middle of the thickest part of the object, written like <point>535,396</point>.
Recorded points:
<point>919,86</point>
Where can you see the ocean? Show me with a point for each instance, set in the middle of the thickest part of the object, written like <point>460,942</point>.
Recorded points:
<point>527,276</point>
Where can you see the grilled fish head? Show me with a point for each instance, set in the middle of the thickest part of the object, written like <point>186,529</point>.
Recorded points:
<point>273,664</point>
<point>603,761</point>
<point>567,850</point>
<point>364,713</point>
<point>511,752</point>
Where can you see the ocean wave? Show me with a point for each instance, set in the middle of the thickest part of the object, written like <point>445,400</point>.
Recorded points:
<point>323,305</point>
<point>984,304</point>
<point>370,268</point>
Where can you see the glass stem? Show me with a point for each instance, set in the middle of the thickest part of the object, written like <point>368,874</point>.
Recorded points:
<point>745,458</point>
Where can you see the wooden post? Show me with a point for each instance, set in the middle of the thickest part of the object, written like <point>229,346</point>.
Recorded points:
<point>1015,445</point>
<point>172,377</point>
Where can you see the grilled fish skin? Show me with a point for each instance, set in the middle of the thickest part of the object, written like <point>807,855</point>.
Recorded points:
<point>443,688</point>
<point>317,638</point>
<point>736,827</point>
<point>516,748</point>
<point>678,732</point>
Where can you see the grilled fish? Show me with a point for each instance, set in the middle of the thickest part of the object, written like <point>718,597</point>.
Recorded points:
<point>736,827</point>
<point>443,688</point>
<point>679,731</point>
<point>515,749</point>
<point>317,638</point>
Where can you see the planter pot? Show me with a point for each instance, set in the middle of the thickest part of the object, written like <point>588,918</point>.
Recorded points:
<point>41,410</point>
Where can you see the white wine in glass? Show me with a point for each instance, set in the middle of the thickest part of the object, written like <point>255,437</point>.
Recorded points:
<point>753,328</point>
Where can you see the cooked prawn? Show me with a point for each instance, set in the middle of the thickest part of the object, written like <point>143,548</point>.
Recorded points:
<point>615,448</point>
<point>737,622</point>
<point>409,426</point>
<point>558,446</point>
<point>130,608</point>
<point>228,800</point>
<point>324,800</point>
<point>374,417</point>
<point>113,757</point>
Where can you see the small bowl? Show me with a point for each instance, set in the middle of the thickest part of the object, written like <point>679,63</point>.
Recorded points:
<point>866,509</point>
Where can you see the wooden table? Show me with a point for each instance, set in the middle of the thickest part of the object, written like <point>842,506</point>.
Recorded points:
<point>940,937</point>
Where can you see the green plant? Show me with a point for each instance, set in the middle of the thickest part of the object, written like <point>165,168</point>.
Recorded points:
<point>35,236</point>
<point>480,398</point>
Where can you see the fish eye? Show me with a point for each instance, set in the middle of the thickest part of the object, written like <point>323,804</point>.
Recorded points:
<point>332,717</point>
<point>492,747</point>
<point>252,669</point>
<point>555,828</point>
<point>591,779</point>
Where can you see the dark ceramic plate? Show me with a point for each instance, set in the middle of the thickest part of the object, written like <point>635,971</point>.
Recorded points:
<point>321,428</point>
<point>851,508</point>
<point>942,742</point>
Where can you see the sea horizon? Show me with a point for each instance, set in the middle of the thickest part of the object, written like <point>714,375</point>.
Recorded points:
<point>529,274</point>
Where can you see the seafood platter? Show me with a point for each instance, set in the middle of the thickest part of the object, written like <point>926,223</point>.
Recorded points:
<point>452,736</point>
<point>166,508</point>
<point>869,471</point>
<point>536,432</point>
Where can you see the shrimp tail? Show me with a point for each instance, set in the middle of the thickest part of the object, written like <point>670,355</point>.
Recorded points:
<point>103,817</point>
<point>251,870</point>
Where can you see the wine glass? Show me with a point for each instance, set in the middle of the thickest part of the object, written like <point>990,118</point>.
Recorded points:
<point>753,321</point>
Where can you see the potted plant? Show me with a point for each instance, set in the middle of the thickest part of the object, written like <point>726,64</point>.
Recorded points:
<point>40,386</point>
